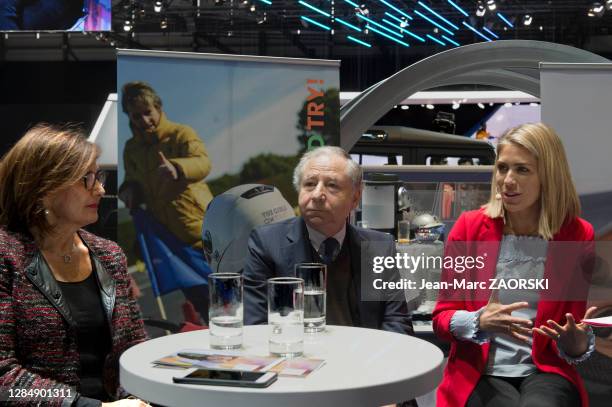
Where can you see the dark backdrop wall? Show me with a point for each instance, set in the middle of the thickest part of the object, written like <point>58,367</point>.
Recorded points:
<point>31,92</point>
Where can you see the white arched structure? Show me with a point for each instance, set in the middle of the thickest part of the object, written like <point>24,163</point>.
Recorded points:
<point>512,64</point>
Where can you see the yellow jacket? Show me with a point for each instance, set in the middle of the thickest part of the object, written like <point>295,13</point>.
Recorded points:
<point>179,205</point>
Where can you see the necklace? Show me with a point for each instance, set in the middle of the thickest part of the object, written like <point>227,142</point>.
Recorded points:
<point>67,257</point>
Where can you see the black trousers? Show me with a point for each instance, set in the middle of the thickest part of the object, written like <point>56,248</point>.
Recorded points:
<point>536,390</point>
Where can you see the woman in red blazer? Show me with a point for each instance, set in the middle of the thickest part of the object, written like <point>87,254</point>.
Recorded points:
<point>512,347</point>
<point>66,313</point>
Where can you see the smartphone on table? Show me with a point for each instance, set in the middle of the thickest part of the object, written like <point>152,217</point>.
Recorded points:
<point>219,377</point>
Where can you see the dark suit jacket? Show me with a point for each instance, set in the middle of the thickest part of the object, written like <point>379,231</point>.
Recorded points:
<point>275,249</point>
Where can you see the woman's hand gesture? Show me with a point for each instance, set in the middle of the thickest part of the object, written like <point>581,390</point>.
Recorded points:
<point>497,318</point>
<point>571,337</point>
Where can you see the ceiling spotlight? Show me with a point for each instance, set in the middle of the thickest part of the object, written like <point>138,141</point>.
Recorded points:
<point>527,19</point>
<point>430,107</point>
<point>363,10</point>
<point>491,5</point>
<point>507,104</point>
<point>127,26</point>
<point>608,4</point>
<point>298,32</point>
<point>252,8</point>
<point>541,28</point>
<point>262,18</point>
<point>597,10</point>
<point>404,22</point>
<point>480,105</point>
<point>480,9</point>
<point>163,24</point>
<point>456,105</point>
<point>405,107</point>
<point>157,6</point>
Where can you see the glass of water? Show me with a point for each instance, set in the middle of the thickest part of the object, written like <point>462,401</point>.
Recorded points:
<point>286,316</point>
<point>315,283</point>
<point>225,311</point>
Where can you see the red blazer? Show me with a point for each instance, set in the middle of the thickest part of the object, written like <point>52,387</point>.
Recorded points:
<point>467,360</point>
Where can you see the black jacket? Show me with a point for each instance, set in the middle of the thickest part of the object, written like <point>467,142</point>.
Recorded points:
<point>275,249</point>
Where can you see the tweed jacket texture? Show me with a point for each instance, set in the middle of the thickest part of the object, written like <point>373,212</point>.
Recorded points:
<point>38,348</point>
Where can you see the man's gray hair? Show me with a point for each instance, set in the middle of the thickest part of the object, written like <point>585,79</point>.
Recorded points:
<point>353,169</point>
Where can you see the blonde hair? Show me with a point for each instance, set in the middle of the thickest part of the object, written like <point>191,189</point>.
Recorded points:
<point>46,159</point>
<point>558,198</point>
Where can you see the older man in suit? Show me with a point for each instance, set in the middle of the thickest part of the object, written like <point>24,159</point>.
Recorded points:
<point>329,186</point>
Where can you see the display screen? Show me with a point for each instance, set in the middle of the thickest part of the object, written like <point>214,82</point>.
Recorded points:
<point>55,15</point>
<point>225,375</point>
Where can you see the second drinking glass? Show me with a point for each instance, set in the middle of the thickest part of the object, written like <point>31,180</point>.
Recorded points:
<point>315,284</point>
<point>286,316</point>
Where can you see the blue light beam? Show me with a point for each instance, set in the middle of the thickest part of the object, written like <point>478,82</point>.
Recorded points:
<point>435,39</point>
<point>380,25</point>
<point>423,16</point>
<point>365,44</point>
<point>426,7</point>
<point>455,43</point>
<point>349,25</point>
<point>318,24</point>
<point>505,20</point>
<point>399,20</point>
<point>462,11</point>
<point>491,32</point>
<point>387,36</point>
<point>396,9</point>
<point>405,30</point>
<point>476,31</point>
<point>313,8</point>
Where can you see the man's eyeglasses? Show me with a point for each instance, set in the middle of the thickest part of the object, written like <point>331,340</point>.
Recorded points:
<point>91,177</point>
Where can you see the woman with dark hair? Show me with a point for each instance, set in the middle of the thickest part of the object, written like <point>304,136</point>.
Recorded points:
<point>65,310</point>
<point>510,347</point>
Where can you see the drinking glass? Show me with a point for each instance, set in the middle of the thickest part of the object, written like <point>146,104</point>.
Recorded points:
<point>225,312</point>
<point>315,283</point>
<point>286,316</point>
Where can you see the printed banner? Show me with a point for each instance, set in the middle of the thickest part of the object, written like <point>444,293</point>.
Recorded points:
<point>193,127</point>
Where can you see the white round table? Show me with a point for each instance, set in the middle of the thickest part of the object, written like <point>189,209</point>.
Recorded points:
<point>364,367</point>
